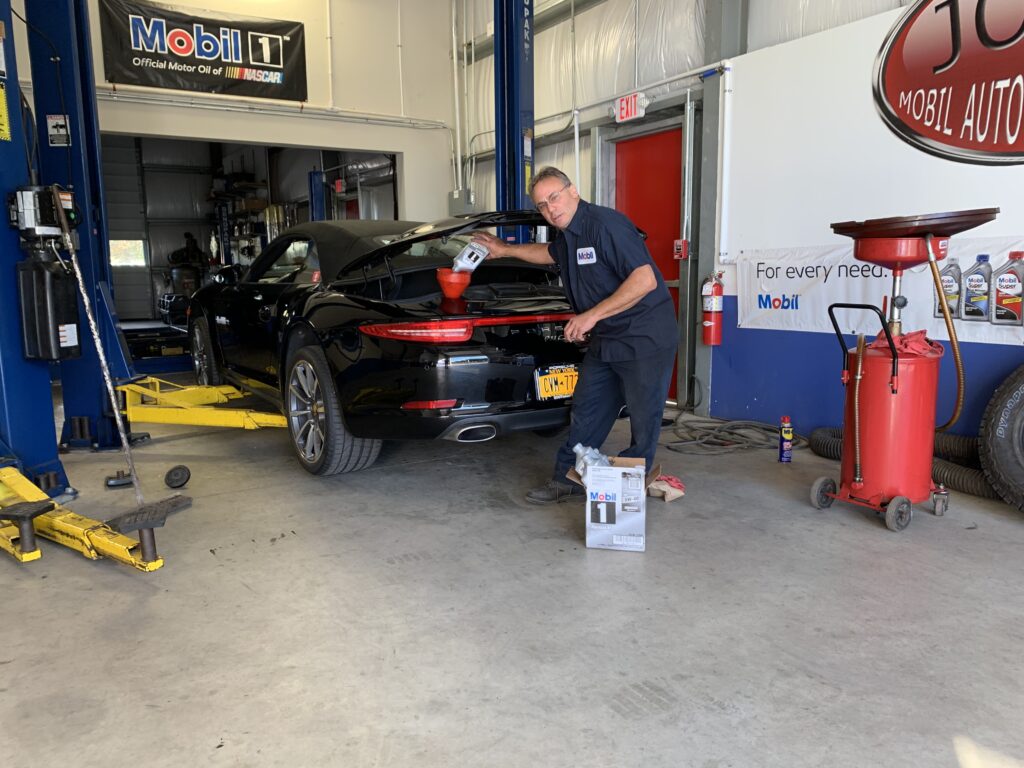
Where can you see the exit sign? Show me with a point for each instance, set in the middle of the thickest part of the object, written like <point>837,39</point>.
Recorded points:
<point>629,107</point>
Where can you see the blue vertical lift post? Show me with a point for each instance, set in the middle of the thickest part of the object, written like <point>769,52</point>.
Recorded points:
<point>30,470</point>
<point>27,438</point>
<point>513,108</point>
<point>60,30</point>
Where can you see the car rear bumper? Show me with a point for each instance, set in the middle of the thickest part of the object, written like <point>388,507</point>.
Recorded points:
<point>451,425</point>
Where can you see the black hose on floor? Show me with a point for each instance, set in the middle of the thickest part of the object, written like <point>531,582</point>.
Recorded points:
<point>828,442</point>
<point>957,448</point>
<point>963,479</point>
<point>710,437</point>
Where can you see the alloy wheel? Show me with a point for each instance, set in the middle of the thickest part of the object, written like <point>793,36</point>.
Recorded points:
<point>200,356</point>
<point>306,414</point>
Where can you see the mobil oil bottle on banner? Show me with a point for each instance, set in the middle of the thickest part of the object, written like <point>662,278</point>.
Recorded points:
<point>951,279</point>
<point>977,289</point>
<point>1007,291</point>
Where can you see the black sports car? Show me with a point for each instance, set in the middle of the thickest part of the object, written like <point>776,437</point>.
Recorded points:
<point>344,325</point>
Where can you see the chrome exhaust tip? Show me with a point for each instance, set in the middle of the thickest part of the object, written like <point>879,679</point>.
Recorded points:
<point>477,433</point>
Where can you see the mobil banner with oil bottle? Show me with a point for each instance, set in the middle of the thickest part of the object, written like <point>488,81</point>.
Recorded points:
<point>791,289</point>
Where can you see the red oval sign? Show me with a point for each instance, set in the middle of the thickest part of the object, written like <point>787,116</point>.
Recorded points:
<point>950,79</point>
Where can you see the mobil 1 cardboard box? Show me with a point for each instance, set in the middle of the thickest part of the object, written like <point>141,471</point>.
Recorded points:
<point>616,504</point>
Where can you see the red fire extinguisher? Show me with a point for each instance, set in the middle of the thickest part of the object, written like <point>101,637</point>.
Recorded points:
<point>712,291</point>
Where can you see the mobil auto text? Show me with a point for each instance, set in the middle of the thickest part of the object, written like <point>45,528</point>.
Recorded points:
<point>818,271</point>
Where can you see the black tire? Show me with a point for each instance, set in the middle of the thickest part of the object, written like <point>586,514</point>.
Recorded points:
<point>177,476</point>
<point>898,513</point>
<point>820,490</point>
<point>204,357</point>
<point>1001,440</point>
<point>321,443</point>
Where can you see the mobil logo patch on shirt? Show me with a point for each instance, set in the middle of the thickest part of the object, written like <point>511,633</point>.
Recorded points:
<point>586,256</point>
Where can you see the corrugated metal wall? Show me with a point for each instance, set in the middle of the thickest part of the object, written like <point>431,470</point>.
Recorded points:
<point>126,220</point>
<point>156,190</point>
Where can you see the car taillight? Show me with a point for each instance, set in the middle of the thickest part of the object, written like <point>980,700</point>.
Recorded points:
<point>453,331</point>
<point>431,332</point>
<point>426,405</point>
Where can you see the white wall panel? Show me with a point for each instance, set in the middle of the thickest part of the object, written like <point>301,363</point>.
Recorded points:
<point>778,21</point>
<point>671,41</point>
<point>825,155</point>
<point>561,155</point>
<point>364,54</point>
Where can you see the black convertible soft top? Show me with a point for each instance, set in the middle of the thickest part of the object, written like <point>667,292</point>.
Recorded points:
<point>338,243</point>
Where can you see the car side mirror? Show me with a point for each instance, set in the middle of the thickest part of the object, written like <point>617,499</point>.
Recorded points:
<point>228,275</point>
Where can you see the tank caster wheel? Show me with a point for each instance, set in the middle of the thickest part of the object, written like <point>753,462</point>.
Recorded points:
<point>898,513</point>
<point>820,491</point>
<point>940,502</point>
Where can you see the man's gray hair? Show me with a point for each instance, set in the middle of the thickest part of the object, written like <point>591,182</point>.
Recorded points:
<point>548,172</point>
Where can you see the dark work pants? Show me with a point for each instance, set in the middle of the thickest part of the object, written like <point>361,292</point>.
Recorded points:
<point>602,390</point>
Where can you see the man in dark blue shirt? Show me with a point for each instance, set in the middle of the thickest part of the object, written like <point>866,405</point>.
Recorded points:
<point>623,310</point>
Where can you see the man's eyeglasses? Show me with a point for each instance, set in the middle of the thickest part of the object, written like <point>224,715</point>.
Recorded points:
<point>551,199</point>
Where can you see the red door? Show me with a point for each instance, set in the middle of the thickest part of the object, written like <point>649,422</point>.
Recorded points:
<point>648,189</point>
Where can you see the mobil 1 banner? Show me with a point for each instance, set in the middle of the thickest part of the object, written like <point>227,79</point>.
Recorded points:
<point>792,288</point>
<point>164,46</point>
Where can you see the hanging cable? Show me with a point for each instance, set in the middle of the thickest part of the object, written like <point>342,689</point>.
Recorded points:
<point>33,178</point>
<point>115,404</point>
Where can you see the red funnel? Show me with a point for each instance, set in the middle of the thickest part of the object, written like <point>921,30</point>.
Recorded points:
<point>452,283</point>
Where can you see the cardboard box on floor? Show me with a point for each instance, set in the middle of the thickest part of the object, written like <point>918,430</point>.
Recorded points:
<point>617,504</point>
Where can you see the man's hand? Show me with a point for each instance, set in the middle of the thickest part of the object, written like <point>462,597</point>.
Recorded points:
<point>640,282</point>
<point>535,253</point>
<point>493,244</point>
<point>579,327</point>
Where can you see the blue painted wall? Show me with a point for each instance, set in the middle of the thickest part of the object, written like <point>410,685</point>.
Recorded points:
<point>762,375</point>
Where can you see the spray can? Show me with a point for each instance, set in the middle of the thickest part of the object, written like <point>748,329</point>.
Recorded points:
<point>470,258</point>
<point>951,280</point>
<point>1007,291</point>
<point>977,289</point>
<point>786,440</point>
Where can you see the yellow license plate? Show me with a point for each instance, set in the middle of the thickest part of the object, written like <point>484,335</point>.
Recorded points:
<point>556,382</point>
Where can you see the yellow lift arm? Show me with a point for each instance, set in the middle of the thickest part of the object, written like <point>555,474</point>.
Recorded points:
<point>92,538</point>
<point>155,401</point>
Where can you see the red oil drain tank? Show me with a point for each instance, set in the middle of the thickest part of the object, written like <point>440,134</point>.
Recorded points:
<point>895,429</point>
<point>892,383</point>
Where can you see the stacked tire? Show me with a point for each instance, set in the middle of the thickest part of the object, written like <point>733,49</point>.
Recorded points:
<point>1001,440</point>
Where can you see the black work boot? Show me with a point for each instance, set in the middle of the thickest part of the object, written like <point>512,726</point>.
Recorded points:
<point>553,492</point>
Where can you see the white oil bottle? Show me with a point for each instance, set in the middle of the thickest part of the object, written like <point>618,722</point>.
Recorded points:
<point>1007,292</point>
<point>951,281</point>
<point>977,289</point>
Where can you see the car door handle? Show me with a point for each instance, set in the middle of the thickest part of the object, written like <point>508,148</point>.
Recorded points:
<point>258,297</point>
<point>264,313</point>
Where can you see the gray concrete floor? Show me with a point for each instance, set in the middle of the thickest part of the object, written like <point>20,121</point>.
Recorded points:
<point>421,614</point>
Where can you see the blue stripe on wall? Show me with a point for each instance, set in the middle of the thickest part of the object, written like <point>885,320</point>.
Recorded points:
<point>763,375</point>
